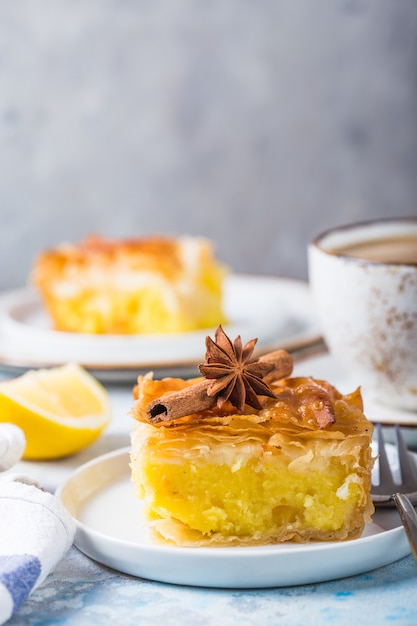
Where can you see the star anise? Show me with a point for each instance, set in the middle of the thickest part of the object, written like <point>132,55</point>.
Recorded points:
<point>230,373</point>
<point>236,376</point>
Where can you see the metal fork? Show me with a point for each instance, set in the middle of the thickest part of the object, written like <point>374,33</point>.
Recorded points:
<point>402,494</point>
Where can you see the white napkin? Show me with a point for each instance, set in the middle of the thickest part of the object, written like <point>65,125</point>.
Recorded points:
<point>35,533</point>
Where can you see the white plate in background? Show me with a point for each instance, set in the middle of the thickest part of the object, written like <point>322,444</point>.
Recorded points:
<point>277,311</point>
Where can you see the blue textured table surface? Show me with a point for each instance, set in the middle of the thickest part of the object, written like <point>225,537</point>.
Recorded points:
<point>80,591</point>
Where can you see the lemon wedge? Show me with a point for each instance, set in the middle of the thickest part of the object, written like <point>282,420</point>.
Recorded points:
<point>60,410</point>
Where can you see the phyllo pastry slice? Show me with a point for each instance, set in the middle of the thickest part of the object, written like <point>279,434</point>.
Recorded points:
<point>136,286</point>
<point>250,455</point>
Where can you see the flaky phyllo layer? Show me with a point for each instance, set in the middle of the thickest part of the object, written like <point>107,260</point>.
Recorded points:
<point>260,477</point>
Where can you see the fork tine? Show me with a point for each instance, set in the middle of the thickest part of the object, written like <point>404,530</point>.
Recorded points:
<point>407,465</point>
<point>385,475</point>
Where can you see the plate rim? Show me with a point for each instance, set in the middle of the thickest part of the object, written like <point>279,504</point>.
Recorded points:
<point>88,540</point>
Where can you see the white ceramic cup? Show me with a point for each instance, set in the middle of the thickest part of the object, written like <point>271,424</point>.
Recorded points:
<point>368,309</point>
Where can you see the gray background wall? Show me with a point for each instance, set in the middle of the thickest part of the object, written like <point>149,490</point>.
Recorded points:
<point>255,123</point>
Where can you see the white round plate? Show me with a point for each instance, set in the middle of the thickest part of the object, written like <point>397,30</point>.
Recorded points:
<point>275,310</point>
<point>110,529</point>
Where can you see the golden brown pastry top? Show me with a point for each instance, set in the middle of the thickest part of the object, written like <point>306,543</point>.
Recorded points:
<point>295,411</point>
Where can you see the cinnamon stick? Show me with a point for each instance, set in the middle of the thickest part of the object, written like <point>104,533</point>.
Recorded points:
<point>179,403</point>
<point>282,365</point>
<point>195,398</point>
